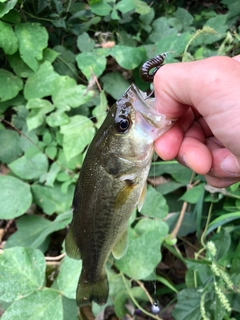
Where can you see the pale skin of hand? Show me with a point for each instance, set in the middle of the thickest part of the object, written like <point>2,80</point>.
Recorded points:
<point>204,97</point>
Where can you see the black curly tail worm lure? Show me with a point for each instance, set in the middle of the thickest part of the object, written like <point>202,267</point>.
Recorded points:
<point>156,62</point>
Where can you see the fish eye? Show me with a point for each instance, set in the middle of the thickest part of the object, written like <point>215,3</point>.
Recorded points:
<point>122,124</point>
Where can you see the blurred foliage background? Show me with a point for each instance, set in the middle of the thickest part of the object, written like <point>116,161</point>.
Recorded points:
<point>61,64</point>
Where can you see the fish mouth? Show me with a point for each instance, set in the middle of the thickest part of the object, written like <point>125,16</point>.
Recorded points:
<point>154,121</point>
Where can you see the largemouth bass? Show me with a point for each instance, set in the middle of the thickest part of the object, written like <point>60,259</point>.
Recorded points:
<point>111,184</point>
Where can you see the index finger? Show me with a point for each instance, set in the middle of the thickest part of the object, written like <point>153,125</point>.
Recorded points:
<point>199,84</point>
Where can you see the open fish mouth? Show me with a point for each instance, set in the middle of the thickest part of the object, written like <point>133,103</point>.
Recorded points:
<point>151,121</point>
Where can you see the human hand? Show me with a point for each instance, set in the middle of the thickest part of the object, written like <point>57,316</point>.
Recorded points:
<point>205,98</point>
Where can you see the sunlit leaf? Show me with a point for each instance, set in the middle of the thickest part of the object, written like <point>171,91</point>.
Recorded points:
<point>10,85</point>
<point>78,133</point>
<point>92,63</point>
<point>22,272</point>
<point>33,230</point>
<point>42,304</point>
<point>8,40</point>
<point>32,39</point>
<point>30,168</point>
<point>6,7</point>
<point>52,200</point>
<point>40,84</point>
<point>143,253</point>
<point>67,93</point>
<point>85,43</point>
<point>68,277</point>
<point>128,57</point>
<point>101,8</point>
<point>20,68</point>
<point>38,110</point>
<point>155,204</point>
<point>15,197</point>
<point>9,146</point>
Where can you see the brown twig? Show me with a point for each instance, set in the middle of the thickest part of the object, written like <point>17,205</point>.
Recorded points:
<point>5,229</point>
<point>184,208</point>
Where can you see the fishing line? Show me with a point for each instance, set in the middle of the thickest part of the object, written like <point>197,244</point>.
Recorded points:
<point>155,304</point>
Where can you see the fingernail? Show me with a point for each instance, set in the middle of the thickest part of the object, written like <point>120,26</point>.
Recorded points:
<point>230,165</point>
<point>184,161</point>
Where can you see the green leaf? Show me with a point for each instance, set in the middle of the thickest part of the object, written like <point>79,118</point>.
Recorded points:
<point>85,43</point>
<point>21,69</point>
<point>52,200</point>
<point>188,305</point>
<point>192,195</point>
<point>169,187</point>
<point>59,117</point>
<point>15,102</point>
<point>43,304</point>
<point>40,84</point>
<point>100,110</point>
<point>39,108</point>
<point>114,84</point>
<point>10,85</point>
<point>50,55</point>
<point>184,17</point>
<point>219,24</point>
<point>222,241</point>
<point>177,171</point>
<point>92,63</point>
<point>155,204</point>
<point>128,5</point>
<point>33,230</point>
<point>119,304</point>
<point>77,135</point>
<point>146,224</point>
<point>128,57</point>
<point>9,146</point>
<point>22,271</point>
<point>28,229</point>
<point>143,253</point>
<point>101,8</point>
<point>141,7</point>
<point>51,175</point>
<point>30,168</point>
<point>161,29</point>
<point>223,219</point>
<point>32,38</point>
<point>125,6</point>
<point>68,276</point>
<point>174,44</point>
<point>166,283</point>
<point>15,197</point>
<point>67,93</point>
<point>8,40</point>
<point>5,8</point>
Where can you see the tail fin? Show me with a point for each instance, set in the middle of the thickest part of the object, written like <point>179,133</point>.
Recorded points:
<point>88,291</point>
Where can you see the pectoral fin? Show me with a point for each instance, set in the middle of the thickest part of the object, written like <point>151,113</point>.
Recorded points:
<point>71,245</point>
<point>121,246</point>
<point>142,197</point>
